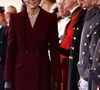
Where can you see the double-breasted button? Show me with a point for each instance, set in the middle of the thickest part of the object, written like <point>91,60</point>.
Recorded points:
<point>87,35</point>
<point>77,28</point>
<point>72,48</point>
<point>97,23</point>
<point>98,76</point>
<point>70,57</point>
<point>94,69</point>
<point>36,52</point>
<point>27,52</point>
<point>79,62</point>
<point>90,58</point>
<point>95,32</point>
<point>82,62</point>
<point>97,59</point>
<point>89,46</point>
<point>90,26</point>
<point>74,38</point>
<point>94,44</point>
<point>85,44</point>
<point>83,53</point>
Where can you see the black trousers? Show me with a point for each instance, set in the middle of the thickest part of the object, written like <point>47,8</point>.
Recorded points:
<point>1,76</point>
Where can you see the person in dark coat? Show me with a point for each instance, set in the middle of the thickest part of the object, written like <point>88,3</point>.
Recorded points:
<point>73,76</point>
<point>30,34</point>
<point>88,65</point>
<point>3,44</point>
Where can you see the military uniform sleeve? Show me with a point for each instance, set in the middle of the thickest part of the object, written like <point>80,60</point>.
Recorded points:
<point>96,64</point>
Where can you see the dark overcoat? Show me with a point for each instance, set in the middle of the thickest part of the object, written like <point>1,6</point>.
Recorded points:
<point>3,44</point>
<point>88,48</point>
<point>27,64</point>
<point>73,76</point>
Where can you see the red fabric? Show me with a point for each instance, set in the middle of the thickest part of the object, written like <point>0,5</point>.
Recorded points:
<point>1,14</point>
<point>66,42</point>
<point>64,84</point>
<point>27,62</point>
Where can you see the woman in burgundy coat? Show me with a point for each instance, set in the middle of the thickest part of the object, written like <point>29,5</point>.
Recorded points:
<point>30,34</point>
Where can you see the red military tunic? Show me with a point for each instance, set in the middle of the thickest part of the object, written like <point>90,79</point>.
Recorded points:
<point>66,43</point>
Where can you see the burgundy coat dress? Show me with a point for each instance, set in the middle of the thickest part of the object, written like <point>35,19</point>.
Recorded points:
<point>27,62</point>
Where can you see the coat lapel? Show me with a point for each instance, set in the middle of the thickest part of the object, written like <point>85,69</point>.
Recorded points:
<point>38,32</point>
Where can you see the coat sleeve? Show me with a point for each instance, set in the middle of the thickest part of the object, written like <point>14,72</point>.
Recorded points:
<point>54,51</point>
<point>11,51</point>
<point>96,63</point>
<point>95,53</point>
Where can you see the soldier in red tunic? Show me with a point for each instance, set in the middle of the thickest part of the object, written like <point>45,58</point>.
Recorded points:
<point>74,9</point>
<point>67,48</point>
